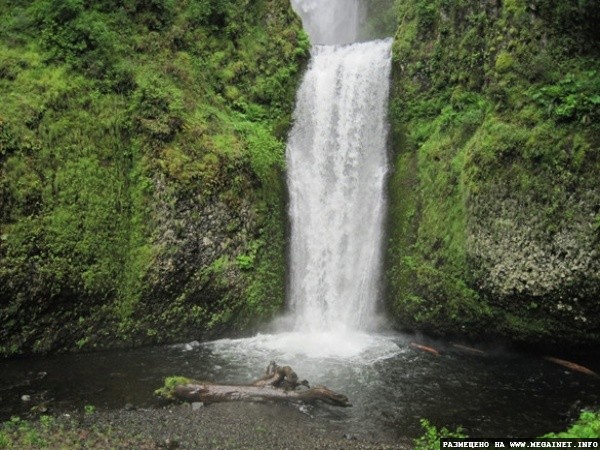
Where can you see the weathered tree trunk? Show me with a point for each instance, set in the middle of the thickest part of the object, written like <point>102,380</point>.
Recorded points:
<point>212,393</point>
<point>278,384</point>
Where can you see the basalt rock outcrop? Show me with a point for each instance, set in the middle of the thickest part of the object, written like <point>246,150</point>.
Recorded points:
<point>494,209</point>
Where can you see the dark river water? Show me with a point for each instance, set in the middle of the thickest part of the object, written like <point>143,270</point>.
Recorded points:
<point>391,383</point>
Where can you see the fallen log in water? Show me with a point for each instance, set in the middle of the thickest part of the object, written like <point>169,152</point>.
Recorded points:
<point>213,393</point>
<point>431,350</point>
<point>278,384</point>
<point>571,365</point>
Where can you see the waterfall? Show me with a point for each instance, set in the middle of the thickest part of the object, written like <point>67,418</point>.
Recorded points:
<point>336,159</point>
<point>336,168</point>
<point>330,21</point>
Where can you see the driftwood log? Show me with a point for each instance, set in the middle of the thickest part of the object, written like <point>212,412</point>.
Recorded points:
<point>278,384</point>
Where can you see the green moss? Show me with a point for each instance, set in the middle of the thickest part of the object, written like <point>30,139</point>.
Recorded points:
<point>266,291</point>
<point>166,391</point>
<point>514,6</point>
<point>504,62</point>
<point>487,108</point>
<point>112,116</point>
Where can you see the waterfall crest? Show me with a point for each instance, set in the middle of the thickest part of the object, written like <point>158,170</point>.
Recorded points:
<point>330,21</point>
<point>336,159</point>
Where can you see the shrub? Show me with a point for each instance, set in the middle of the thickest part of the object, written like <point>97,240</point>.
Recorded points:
<point>586,426</point>
<point>430,440</point>
<point>504,62</point>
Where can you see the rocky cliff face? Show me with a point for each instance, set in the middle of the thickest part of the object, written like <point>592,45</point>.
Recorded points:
<point>141,151</point>
<point>495,207</point>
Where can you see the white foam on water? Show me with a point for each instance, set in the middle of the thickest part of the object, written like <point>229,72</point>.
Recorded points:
<point>358,347</point>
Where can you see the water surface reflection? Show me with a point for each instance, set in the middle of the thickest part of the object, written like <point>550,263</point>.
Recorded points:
<point>390,383</point>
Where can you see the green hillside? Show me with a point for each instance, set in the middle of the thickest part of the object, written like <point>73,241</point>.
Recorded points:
<point>142,197</point>
<point>495,195</point>
<point>141,151</point>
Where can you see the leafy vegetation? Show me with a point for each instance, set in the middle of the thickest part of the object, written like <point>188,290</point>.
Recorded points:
<point>117,119</point>
<point>166,391</point>
<point>430,440</point>
<point>51,433</point>
<point>495,133</point>
<point>585,427</point>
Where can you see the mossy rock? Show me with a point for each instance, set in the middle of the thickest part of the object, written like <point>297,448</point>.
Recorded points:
<point>170,383</point>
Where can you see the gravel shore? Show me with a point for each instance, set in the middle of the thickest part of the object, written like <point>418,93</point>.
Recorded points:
<point>234,426</point>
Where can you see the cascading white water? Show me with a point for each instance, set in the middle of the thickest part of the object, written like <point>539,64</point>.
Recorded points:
<point>336,159</point>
